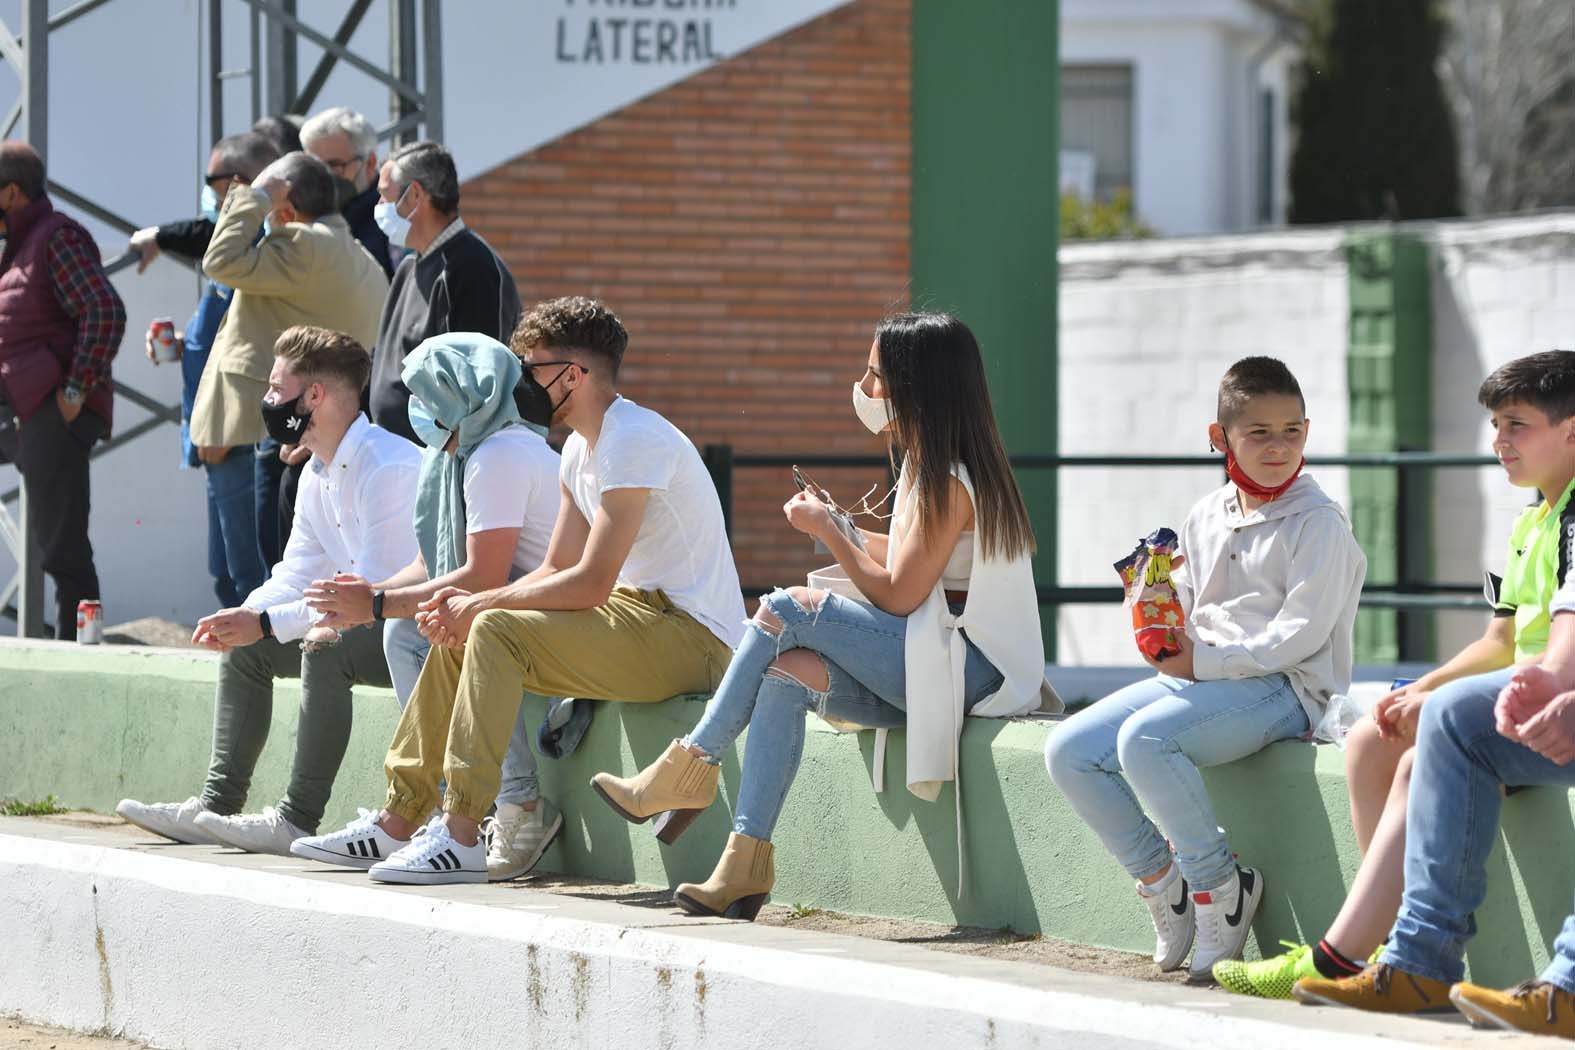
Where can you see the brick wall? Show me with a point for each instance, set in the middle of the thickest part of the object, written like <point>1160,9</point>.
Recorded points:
<point>749,225</point>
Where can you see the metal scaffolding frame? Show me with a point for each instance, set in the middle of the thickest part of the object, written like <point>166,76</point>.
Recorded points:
<point>275,28</point>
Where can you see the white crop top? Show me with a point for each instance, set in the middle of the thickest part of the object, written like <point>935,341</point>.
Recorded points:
<point>959,567</point>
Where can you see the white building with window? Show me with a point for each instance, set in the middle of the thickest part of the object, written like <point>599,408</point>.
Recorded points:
<point>1183,101</point>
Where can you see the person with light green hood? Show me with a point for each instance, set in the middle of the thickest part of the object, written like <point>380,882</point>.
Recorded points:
<point>485,505</point>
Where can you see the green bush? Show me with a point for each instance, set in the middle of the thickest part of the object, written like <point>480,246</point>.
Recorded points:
<point>1101,220</point>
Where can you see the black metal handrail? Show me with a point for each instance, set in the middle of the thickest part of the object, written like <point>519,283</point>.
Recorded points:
<point>1408,595</point>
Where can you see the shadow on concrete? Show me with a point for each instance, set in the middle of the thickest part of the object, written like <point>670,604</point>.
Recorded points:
<point>1299,862</point>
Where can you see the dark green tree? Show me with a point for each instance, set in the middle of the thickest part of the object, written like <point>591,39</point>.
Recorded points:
<point>1375,138</point>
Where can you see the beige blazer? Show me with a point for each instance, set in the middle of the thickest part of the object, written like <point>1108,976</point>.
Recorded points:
<point>302,273</point>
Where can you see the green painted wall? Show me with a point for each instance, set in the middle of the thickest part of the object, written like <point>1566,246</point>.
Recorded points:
<point>93,726</point>
<point>1389,369</point>
<point>986,214</point>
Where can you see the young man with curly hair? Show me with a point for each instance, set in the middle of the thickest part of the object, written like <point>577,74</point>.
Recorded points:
<point>638,600</point>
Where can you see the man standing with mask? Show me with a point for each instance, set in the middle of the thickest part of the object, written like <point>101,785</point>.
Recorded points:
<point>451,282</point>
<point>346,142</point>
<point>307,270</point>
<point>234,555</point>
<point>355,514</point>
<point>60,327</point>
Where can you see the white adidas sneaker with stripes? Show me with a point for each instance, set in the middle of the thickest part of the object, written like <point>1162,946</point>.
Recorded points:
<point>359,844</point>
<point>433,857</point>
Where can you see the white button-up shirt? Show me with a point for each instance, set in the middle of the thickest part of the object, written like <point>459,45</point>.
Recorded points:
<point>355,515</point>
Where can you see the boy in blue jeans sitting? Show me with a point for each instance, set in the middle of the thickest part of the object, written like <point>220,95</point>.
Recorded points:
<point>1269,577</point>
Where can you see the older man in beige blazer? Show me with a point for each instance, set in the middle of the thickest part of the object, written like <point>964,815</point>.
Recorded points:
<point>307,270</point>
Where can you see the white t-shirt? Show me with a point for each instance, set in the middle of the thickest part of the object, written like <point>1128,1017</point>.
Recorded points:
<point>681,548</point>
<point>511,481</point>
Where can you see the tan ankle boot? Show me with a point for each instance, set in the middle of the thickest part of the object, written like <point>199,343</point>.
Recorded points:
<point>738,887</point>
<point>675,789</point>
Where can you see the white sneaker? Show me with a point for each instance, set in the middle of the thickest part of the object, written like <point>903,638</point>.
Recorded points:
<point>1224,920</point>
<point>359,844</point>
<point>173,820</point>
<point>433,857</point>
<point>265,832</point>
<point>517,837</point>
<point>1174,922</point>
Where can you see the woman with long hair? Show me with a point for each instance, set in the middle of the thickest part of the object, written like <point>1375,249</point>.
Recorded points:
<point>946,622</point>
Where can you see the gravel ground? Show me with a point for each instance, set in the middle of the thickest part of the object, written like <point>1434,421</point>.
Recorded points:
<point>964,940</point>
<point>149,631</point>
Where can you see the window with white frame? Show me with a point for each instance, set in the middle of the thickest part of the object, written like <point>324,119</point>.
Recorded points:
<point>1096,126</point>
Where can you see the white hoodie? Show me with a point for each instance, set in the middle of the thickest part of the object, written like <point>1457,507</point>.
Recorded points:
<point>1273,591</point>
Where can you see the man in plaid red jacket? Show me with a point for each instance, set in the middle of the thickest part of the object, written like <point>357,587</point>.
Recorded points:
<point>61,323</point>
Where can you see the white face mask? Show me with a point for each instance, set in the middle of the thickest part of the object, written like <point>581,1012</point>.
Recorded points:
<point>874,413</point>
<point>394,225</point>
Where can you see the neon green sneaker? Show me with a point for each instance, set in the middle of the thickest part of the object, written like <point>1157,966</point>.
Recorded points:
<point>1267,978</point>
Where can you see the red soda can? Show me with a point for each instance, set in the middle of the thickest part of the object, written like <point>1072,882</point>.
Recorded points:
<point>90,621</point>
<point>162,333</point>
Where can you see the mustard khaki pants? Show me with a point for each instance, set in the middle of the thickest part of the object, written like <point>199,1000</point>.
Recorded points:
<point>638,647</point>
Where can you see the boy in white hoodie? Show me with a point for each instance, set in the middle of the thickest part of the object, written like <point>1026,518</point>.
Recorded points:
<point>1269,577</point>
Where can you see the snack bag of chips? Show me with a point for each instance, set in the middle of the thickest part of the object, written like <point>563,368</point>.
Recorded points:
<point>1157,617</point>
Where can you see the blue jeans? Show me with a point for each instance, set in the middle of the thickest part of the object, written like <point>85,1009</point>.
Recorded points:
<point>269,469</point>
<point>407,651</point>
<point>234,557</point>
<point>1158,732</point>
<point>1451,823</point>
<point>862,648</point>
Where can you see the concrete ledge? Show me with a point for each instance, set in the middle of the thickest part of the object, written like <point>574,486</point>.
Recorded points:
<point>194,947</point>
<point>91,726</point>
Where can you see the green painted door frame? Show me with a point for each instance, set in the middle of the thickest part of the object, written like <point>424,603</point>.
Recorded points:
<point>985,218</point>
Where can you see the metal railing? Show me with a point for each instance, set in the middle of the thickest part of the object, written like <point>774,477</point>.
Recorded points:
<point>1412,596</point>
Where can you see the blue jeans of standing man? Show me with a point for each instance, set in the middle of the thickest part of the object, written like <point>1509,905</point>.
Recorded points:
<point>863,651</point>
<point>234,557</point>
<point>1451,824</point>
<point>1158,732</point>
<point>269,470</point>
<point>407,652</point>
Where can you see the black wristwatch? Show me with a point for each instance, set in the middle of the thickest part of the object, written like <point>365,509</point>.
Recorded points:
<point>377,605</point>
<point>265,623</point>
<point>72,391</point>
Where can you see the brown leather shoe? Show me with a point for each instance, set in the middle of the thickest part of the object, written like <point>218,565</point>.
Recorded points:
<point>738,887</point>
<point>1380,989</point>
<point>675,789</point>
<point>1531,1006</point>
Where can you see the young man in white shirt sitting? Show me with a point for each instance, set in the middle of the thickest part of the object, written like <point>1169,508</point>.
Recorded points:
<point>353,514</point>
<point>485,507</point>
<point>637,600</point>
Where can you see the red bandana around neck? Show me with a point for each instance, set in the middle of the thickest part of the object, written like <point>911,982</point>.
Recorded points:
<point>1252,488</point>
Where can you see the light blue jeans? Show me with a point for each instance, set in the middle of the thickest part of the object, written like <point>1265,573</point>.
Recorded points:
<point>234,556</point>
<point>407,651</point>
<point>863,651</point>
<point>1157,733</point>
<point>1451,824</point>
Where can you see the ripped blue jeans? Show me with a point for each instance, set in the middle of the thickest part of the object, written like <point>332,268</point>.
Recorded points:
<point>862,648</point>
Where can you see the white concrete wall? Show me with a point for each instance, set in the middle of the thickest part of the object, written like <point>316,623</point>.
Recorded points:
<point>1194,148</point>
<point>1147,329</point>
<point>186,954</point>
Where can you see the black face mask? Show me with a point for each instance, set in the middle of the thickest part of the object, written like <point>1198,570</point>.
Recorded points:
<point>532,399</point>
<point>286,422</point>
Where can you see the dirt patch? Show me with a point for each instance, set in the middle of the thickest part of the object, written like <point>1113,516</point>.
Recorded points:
<point>149,631</point>
<point>17,1034</point>
<point>963,940</point>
